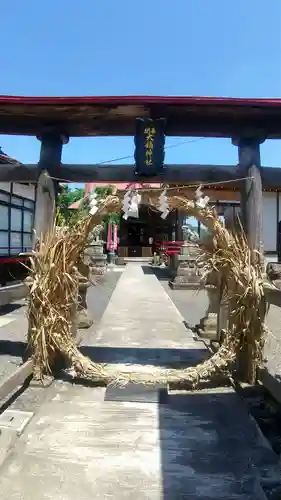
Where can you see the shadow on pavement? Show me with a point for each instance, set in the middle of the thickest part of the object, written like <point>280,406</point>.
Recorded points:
<point>162,274</point>
<point>211,449</point>
<point>145,356</point>
<point>12,348</point>
<point>10,308</point>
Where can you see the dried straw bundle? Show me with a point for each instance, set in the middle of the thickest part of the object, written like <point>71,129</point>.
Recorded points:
<point>54,293</point>
<point>53,297</point>
<point>241,275</point>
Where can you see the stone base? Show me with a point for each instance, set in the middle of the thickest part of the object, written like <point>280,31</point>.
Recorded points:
<point>183,285</point>
<point>215,345</point>
<point>207,334</point>
<point>207,327</point>
<point>111,258</point>
<point>97,271</point>
<point>98,262</point>
<point>272,293</point>
<point>111,265</point>
<point>184,271</point>
<point>83,319</point>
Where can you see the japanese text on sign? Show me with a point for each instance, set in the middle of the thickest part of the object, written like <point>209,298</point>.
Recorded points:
<point>150,133</point>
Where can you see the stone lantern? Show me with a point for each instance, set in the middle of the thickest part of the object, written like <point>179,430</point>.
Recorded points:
<point>95,257</point>
<point>186,273</point>
<point>83,319</point>
<point>208,326</point>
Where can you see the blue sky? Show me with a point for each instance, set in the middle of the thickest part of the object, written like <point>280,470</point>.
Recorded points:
<point>154,47</point>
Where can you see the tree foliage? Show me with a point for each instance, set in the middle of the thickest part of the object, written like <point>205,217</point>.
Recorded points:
<point>68,216</point>
<point>111,217</point>
<point>69,196</point>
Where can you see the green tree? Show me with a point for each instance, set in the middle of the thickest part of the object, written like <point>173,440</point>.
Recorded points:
<point>112,217</point>
<point>69,216</point>
<point>68,196</point>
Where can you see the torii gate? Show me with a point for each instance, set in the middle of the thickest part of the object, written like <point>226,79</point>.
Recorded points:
<point>248,122</point>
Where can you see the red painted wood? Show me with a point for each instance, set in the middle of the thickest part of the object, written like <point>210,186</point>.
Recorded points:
<point>141,100</point>
<point>13,260</point>
<point>169,247</point>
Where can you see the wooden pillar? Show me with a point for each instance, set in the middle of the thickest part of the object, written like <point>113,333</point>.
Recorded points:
<point>251,190</point>
<point>251,217</point>
<point>46,190</point>
<point>50,159</point>
<point>179,218</point>
<point>51,151</point>
<point>45,207</point>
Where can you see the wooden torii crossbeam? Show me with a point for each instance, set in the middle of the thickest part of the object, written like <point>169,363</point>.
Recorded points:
<point>248,122</point>
<point>174,174</point>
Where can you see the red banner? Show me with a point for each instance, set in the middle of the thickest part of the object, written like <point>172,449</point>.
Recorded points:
<point>115,237</point>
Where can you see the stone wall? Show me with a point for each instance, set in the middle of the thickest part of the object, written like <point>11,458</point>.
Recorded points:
<point>270,375</point>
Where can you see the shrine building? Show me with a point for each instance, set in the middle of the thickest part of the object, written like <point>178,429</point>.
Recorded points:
<point>140,237</point>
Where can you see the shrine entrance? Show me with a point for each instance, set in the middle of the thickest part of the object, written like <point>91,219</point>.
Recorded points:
<point>150,119</point>
<point>139,237</point>
<point>141,316</point>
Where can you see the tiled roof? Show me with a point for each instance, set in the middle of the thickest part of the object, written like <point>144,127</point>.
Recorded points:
<point>119,185</point>
<point>4,158</point>
<point>77,204</point>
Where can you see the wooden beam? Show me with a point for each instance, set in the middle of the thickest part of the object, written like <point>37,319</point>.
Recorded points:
<point>19,173</point>
<point>222,195</point>
<point>105,116</point>
<point>177,174</point>
<point>126,173</point>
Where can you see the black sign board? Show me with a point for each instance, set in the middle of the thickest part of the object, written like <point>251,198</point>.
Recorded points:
<point>149,146</point>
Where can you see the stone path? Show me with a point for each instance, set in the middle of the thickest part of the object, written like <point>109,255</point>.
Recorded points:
<point>200,445</point>
<point>141,325</point>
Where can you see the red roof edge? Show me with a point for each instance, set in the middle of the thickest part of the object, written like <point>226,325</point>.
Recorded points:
<point>141,100</point>
<point>4,159</point>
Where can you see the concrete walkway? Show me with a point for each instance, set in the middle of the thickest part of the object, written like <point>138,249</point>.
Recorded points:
<point>195,446</point>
